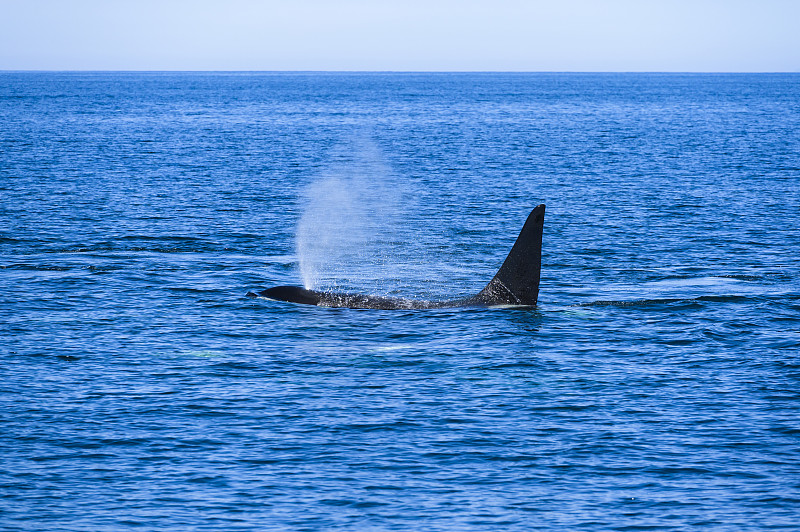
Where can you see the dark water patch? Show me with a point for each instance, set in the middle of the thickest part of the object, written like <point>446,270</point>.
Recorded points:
<point>688,303</point>
<point>170,238</point>
<point>741,277</point>
<point>35,267</point>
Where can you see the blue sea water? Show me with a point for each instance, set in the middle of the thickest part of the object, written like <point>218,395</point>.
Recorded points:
<point>655,387</point>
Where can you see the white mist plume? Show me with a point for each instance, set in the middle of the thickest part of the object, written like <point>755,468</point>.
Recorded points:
<point>350,226</point>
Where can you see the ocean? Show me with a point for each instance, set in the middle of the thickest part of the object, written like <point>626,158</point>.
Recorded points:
<point>656,386</point>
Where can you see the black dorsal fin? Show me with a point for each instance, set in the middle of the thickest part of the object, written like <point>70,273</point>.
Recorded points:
<point>517,280</point>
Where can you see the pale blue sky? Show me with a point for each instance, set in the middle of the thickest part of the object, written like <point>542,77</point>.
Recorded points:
<point>557,35</point>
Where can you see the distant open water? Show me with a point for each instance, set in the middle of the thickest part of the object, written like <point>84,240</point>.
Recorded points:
<point>656,386</point>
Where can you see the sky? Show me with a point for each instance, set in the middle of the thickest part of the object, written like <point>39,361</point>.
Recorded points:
<point>402,35</point>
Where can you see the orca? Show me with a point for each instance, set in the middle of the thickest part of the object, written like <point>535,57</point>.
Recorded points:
<point>515,284</point>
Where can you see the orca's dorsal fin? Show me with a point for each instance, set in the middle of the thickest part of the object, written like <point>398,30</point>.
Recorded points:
<point>517,280</point>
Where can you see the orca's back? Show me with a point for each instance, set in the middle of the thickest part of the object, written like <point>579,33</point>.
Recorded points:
<point>517,280</point>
